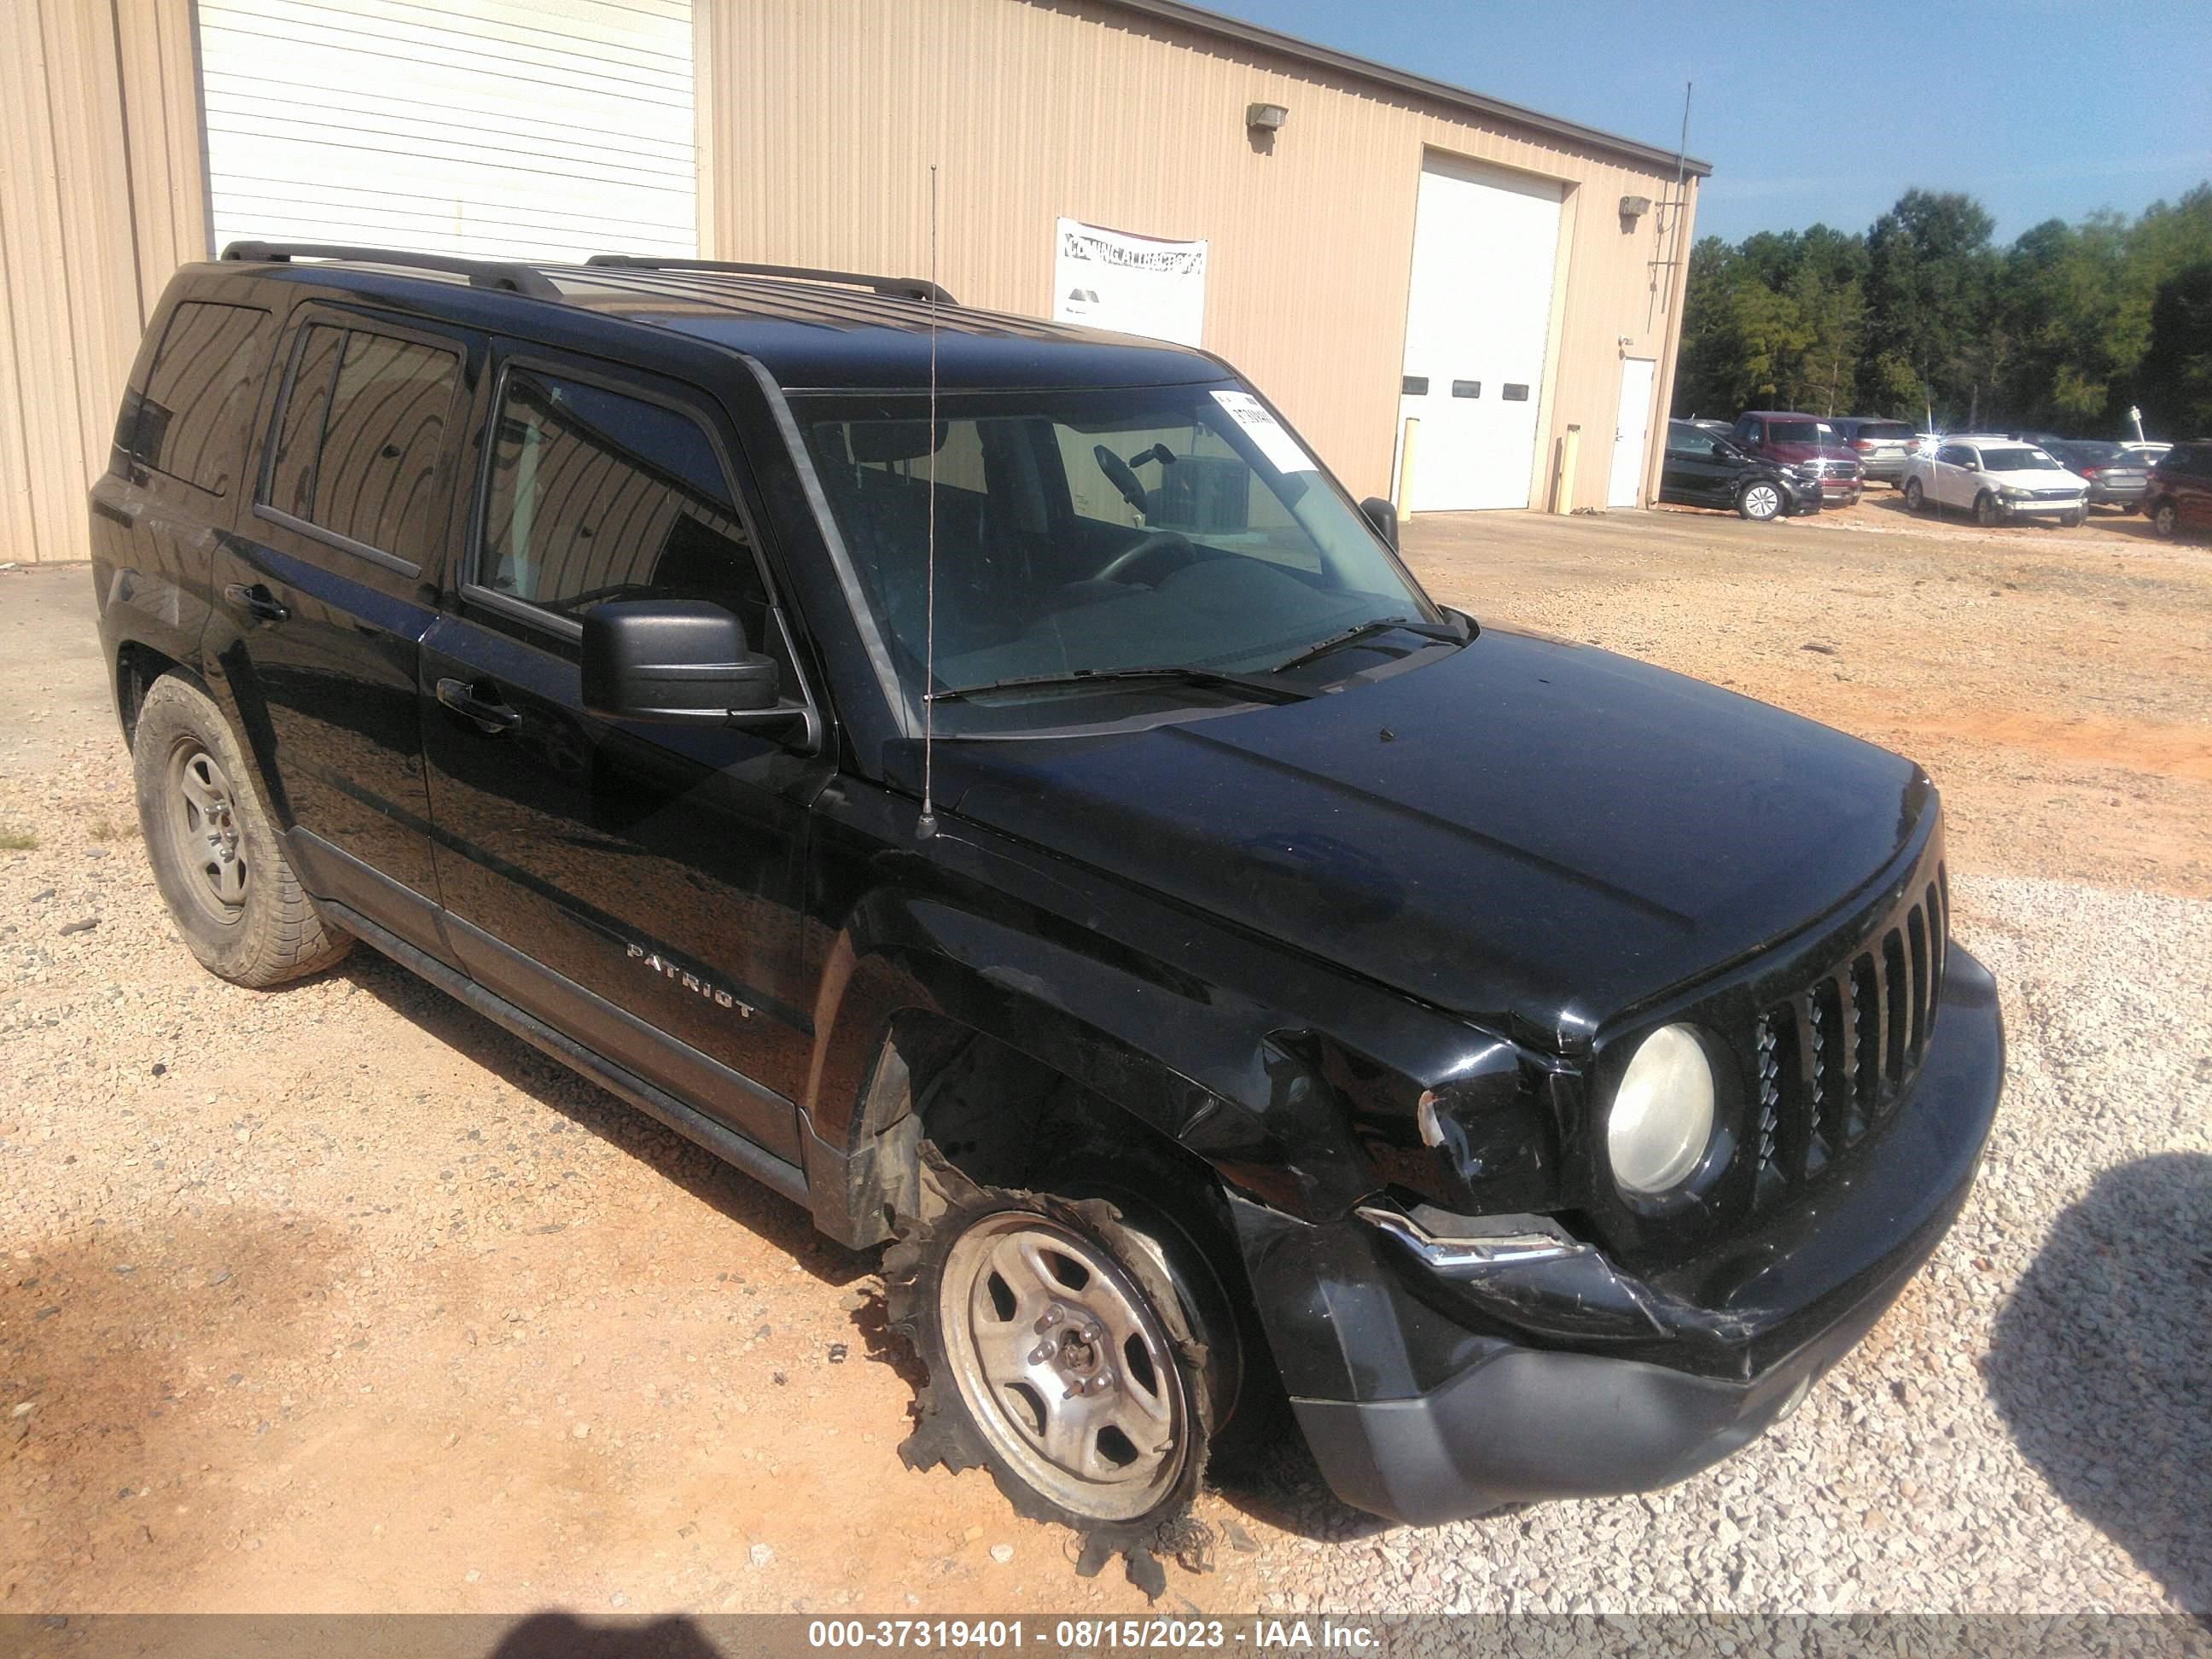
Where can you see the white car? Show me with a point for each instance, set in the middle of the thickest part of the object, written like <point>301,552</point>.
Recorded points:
<point>1998,480</point>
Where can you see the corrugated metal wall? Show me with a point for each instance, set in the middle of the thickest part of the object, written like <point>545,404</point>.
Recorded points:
<point>828,113</point>
<point>100,199</point>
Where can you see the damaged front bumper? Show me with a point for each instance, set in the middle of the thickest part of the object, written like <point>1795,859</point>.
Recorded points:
<point>1533,1369</point>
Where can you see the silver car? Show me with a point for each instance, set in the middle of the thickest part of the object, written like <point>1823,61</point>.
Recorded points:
<point>1882,446</point>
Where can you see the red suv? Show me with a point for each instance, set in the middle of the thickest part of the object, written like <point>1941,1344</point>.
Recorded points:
<point>1808,448</point>
<point>2179,494</point>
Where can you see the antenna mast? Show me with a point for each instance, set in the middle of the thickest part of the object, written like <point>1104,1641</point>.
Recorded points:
<point>926,825</point>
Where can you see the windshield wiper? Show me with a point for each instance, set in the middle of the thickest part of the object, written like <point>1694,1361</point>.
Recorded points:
<point>1444,631</point>
<point>1184,675</point>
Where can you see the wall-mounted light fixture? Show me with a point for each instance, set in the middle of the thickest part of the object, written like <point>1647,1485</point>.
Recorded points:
<point>1633,208</point>
<point>1266,118</point>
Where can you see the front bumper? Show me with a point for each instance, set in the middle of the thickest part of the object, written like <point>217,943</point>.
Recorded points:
<point>2040,510</point>
<point>1488,1420</point>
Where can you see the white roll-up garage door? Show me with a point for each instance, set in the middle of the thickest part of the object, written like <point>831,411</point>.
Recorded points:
<point>517,128</point>
<point>1485,243</point>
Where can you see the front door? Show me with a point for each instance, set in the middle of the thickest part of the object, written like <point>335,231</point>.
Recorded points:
<point>1694,471</point>
<point>1631,427</point>
<point>638,886</point>
<point>1951,476</point>
<point>323,595</point>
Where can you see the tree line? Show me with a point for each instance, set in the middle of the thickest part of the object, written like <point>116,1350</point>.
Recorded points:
<point>1923,318</point>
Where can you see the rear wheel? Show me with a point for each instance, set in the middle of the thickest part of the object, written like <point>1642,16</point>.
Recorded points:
<point>1985,511</point>
<point>215,856</point>
<point>1914,497</point>
<point>2164,519</point>
<point>1760,500</point>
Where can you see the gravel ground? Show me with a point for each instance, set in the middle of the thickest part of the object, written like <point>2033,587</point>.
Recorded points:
<point>337,1297</point>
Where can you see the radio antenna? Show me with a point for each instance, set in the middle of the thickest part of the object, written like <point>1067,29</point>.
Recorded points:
<point>926,825</point>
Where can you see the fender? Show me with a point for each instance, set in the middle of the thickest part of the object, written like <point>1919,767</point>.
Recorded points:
<point>1296,1083</point>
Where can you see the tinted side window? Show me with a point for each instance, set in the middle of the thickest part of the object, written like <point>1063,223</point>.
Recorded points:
<point>291,484</point>
<point>595,495</point>
<point>382,441</point>
<point>190,421</point>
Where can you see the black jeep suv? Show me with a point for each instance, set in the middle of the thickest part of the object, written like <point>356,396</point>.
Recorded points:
<point>987,780</point>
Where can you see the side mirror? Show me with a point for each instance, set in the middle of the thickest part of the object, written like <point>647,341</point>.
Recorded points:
<point>1384,517</point>
<point>679,661</point>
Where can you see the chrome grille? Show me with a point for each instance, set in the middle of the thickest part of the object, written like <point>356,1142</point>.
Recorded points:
<point>1831,1062</point>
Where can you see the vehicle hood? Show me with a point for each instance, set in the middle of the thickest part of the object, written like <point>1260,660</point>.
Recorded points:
<point>1524,827</point>
<point>2034,477</point>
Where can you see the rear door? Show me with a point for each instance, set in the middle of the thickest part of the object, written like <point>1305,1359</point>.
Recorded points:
<point>1693,470</point>
<point>640,887</point>
<point>325,591</point>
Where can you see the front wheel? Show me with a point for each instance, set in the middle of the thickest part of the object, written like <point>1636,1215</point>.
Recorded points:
<point>2073,520</point>
<point>2164,519</point>
<point>1986,513</point>
<point>1066,1356</point>
<point>1915,497</point>
<point>1760,502</point>
<point>216,858</point>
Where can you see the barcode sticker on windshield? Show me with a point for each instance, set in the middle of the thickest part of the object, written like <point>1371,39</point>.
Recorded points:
<point>1266,432</point>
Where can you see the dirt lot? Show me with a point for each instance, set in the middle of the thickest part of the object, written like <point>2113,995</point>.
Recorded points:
<point>339,1298</point>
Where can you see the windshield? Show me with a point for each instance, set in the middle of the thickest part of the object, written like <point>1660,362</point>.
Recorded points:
<point>1091,529</point>
<point>1794,432</point>
<point>2089,451</point>
<point>2019,461</point>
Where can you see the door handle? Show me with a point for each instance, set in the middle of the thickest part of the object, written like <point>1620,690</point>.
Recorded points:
<point>256,601</point>
<point>490,714</point>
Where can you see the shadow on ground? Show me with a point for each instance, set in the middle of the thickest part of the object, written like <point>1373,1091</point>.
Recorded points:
<point>2099,1365</point>
<point>556,1087</point>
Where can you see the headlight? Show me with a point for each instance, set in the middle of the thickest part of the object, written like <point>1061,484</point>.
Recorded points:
<point>2011,494</point>
<point>1662,1113</point>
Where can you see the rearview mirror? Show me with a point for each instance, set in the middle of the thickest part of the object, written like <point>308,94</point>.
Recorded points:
<point>1384,517</point>
<point>680,661</point>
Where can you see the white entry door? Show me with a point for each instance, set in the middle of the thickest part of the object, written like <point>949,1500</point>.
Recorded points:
<point>514,128</point>
<point>1477,318</point>
<point>1631,433</point>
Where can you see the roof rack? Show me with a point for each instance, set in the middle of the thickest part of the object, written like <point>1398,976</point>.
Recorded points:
<point>480,273</point>
<point>891,287</point>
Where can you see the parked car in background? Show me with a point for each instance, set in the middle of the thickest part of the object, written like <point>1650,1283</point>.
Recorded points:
<point>1998,479</point>
<point>1704,469</point>
<point>2151,451</point>
<point>2115,477</point>
<point>1718,428</point>
<point>2180,495</point>
<point>1882,446</point>
<point>1795,440</point>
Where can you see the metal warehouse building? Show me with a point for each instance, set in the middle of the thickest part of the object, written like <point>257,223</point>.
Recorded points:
<point>1370,246</point>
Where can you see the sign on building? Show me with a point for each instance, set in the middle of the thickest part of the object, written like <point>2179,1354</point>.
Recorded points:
<point>1133,284</point>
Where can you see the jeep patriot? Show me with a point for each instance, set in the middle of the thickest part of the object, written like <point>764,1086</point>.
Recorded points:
<point>1523,1069</point>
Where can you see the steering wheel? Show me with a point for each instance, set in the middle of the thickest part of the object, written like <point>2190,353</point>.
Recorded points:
<point>1171,547</point>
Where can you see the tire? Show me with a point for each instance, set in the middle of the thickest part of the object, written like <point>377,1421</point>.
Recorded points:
<point>2073,520</point>
<point>1024,1306</point>
<point>1915,498</point>
<point>2164,519</point>
<point>1760,500</point>
<point>1985,511</point>
<point>215,856</point>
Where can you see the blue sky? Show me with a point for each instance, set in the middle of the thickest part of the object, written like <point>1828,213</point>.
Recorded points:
<point>1828,112</point>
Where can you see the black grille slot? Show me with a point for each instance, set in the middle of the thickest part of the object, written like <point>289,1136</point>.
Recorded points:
<point>1832,1061</point>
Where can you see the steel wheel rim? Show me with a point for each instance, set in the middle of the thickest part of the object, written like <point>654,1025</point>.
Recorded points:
<point>1764,502</point>
<point>201,812</point>
<point>1073,1383</point>
<point>2163,519</point>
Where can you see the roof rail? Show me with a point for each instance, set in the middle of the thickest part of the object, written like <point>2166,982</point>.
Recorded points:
<point>481,273</point>
<point>891,287</point>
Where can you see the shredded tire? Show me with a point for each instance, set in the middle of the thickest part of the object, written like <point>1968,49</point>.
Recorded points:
<point>945,1430</point>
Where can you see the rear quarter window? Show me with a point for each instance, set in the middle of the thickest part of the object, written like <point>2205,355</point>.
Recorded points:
<point>190,422</point>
